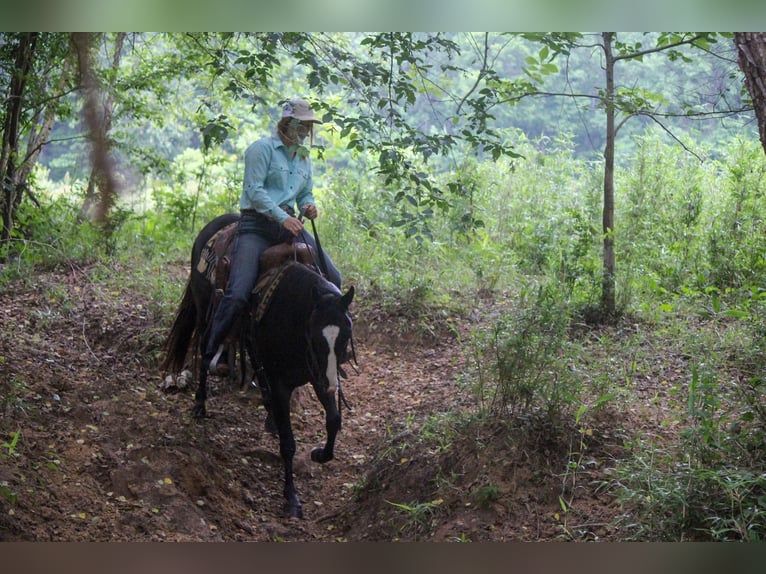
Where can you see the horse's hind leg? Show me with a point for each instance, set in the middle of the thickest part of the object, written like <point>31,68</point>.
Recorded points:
<point>202,298</point>
<point>281,410</point>
<point>200,396</point>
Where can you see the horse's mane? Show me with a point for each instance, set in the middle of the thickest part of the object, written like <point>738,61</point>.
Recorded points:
<point>300,289</point>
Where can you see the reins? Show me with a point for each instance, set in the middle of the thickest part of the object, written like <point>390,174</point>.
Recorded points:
<point>322,264</point>
<point>323,271</point>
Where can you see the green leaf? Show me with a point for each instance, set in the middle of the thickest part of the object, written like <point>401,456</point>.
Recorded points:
<point>736,314</point>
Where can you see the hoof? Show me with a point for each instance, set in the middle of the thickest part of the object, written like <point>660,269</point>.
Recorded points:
<point>294,510</point>
<point>318,455</point>
<point>199,412</point>
<point>270,427</point>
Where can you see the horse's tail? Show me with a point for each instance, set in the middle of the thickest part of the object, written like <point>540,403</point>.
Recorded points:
<point>181,333</point>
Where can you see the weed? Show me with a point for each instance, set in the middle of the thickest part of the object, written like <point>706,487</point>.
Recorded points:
<point>7,493</point>
<point>13,393</point>
<point>440,430</point>
<point>703,490</point>
<point>8,449</point>
<point>575,459</point>
<point>486,495</point>
<point>419,515</point>
<point>462,538</point>
<point>520,363</point>
<point>669,499</point>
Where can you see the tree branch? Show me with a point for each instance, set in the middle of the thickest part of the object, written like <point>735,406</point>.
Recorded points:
<point>652,116</point>
<point>562,94</point>
<point>656,49</point>
<point>480,77</point>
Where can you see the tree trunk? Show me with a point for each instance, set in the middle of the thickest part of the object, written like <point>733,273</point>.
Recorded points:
<point>14,106</point>
<point>751,55</point>
<point>98,116</point>
<point>96,179</point>
<point>41,127</point>
<point>608,298</point>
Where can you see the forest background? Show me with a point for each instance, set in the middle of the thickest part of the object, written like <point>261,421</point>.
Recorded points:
<point>460,167</point>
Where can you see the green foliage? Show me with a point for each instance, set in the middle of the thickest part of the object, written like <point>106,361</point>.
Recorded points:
<point>486,495</point>
<point>49,236</point>
<point>414,102</point>
<point>12,392</point>
<point>674,499</point>
<point>419,515</point>
<point>521,364</point>
<point>691,226</point>
<point>709,484</point>
<point>735,255</point>
<point>8,450</point>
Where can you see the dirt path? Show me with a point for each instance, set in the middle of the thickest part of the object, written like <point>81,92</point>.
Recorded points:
<point>105,455</point>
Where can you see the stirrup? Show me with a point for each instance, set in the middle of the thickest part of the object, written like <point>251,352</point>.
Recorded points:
<point>214,368</point>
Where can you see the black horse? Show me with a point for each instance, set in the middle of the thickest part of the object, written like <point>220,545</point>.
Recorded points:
<point>299,331</point>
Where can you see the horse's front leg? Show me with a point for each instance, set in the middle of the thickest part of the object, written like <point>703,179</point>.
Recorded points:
<point>259,373</point>
<point>281,412</point>
<point>332,425</point>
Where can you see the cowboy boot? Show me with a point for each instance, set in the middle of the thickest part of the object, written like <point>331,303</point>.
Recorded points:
<point>226,314</point>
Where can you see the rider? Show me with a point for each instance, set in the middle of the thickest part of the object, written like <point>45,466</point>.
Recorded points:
<point>278,177</point>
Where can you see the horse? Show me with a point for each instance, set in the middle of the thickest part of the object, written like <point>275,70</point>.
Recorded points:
<point>298,331</point>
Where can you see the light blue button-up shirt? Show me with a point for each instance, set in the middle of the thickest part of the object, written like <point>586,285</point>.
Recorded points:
<point>273,178</point>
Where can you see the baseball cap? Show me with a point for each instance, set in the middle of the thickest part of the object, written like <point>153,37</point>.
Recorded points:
<point>299,109</point>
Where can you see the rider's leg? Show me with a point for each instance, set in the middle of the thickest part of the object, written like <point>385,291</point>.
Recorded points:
<point>242,277</point>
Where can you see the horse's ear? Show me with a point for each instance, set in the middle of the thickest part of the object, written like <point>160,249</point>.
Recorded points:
<point>347,298</point>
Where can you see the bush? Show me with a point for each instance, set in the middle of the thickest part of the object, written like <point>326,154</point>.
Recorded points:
<point>520,363</point>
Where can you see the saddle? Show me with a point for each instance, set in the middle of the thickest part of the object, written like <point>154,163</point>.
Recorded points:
<point>215,259</point>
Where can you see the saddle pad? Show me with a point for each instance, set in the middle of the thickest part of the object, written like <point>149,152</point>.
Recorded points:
<point>213,261</point>
<point>265,287</point>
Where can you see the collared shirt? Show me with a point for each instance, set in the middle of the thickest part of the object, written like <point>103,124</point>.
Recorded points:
<point>273,178</point>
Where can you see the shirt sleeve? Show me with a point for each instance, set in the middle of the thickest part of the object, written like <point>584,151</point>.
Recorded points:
<point>254,194</point>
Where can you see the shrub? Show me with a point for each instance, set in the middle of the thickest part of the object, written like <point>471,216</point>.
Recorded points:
<point>520,363</point>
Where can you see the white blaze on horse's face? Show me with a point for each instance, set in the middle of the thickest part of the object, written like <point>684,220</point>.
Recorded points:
<point>331,335</point>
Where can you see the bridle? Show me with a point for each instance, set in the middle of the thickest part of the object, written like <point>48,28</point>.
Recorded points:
<point>316,371</point>
<point>322,267</point>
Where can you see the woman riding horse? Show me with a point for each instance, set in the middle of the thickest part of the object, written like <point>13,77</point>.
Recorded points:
<point>278,176</point>
<point>298,331</point>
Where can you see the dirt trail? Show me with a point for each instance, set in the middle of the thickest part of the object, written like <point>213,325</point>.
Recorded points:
<point>104,454</point>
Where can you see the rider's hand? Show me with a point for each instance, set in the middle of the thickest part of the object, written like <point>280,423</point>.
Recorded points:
<point>293,225</point>
<point>310,211</point>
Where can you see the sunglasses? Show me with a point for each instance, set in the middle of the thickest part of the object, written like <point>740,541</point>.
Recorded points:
<point>300,124</point>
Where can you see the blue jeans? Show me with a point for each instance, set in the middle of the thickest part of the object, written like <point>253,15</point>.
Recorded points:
<point>255,233</point>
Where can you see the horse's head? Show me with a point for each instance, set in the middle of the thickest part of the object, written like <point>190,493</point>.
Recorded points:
<point>329,337</point>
